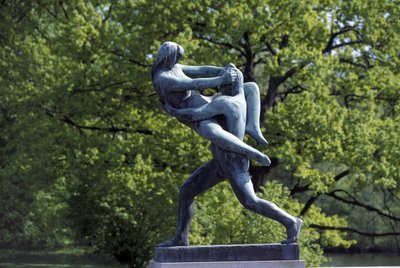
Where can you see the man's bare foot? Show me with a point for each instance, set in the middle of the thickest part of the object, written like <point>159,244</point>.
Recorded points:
<point>173,242</point>
<point>293,232</point>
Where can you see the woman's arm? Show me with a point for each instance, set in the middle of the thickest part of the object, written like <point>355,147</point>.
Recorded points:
<point>204,71</point>
<point>201,71</point>
<point>172,83</point>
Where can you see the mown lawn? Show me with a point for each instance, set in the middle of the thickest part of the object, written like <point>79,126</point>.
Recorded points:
<point>25,259</point>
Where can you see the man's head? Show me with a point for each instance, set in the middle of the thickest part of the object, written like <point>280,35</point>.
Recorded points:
<point>236,86</point>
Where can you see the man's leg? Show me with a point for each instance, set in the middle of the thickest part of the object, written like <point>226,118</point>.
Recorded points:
<point>199,181</point>
<point>243,189</point>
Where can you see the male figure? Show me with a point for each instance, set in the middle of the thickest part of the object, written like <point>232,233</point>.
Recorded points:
<point>225,164</point>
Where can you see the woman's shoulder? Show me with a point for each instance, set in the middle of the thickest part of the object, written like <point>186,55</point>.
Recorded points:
<point>164,79</point>
<point>160,75</point>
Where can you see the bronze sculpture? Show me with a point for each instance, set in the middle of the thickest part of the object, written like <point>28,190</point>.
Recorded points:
<point>223,120</point>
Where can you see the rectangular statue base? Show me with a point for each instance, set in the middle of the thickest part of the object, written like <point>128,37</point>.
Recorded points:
<point>233,256</point>
<point>230,264</point>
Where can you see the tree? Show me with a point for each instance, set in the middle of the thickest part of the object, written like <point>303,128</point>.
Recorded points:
<point>329,72</point>
<point>88,155</point>
<point>331,96</point>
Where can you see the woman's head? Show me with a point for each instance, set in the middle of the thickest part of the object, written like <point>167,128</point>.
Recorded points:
<point>168,55</point>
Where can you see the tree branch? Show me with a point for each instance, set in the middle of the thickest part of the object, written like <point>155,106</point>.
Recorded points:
<point>54,15</point>
<point>284,41</point>
<point>355,202</point>
<point>366,67</point>
<point>117,53</point>
<point>61,3</point>
<point>330,45</point>
<point>387,207</point>
<point>108,13</point>
<point>220,43</point>
<point>354,97</point>
<point>249,55</point>
<point>312,199</point>
<point>269,47</point>
<point>113,129</point>
<point>307,206</point>
<point>346,44</point>
<point>298,188</point>
<point>94,88</point>
<point>348,229</point>
<point>259,61</point>
<point>273,84</point>
<point>293,90</point>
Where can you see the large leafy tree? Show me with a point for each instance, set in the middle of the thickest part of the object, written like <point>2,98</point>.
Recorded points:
<point>88,155</point>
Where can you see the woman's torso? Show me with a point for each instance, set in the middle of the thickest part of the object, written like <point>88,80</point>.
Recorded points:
<point>178,99</point>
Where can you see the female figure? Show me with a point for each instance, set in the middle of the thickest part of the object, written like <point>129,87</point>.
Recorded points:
<point>176,87</point>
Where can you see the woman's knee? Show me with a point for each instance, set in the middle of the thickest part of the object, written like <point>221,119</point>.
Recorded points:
<point>251,88</point>
<point>251,85</point>
<point>209,131</point>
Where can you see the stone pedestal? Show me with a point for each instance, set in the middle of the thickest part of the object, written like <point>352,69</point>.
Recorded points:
<point>233,256</point>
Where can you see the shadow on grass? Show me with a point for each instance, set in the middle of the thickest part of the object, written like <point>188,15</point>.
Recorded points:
<point>24,259</point>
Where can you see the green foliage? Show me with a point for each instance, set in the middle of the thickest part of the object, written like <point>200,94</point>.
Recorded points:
<point>87,155</point>
<point>239,226</point>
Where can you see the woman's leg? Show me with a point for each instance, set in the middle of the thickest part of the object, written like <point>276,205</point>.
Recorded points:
<point>221,105</point>
<point>252,94</point>
<point>212,131</point>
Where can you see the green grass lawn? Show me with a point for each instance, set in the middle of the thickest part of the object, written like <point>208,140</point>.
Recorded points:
<point>76,259</point>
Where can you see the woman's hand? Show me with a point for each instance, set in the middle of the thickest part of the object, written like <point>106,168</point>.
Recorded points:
<point>230,65</point>
<point>223,69</point>
<point>229,76</point>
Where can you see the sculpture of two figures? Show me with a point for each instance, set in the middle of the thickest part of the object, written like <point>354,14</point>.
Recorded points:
<point>223,119</point>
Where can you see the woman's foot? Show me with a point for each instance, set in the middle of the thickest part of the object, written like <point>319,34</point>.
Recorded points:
<point>256,134</point>
<point>262,159</point>
<point>293,232</point>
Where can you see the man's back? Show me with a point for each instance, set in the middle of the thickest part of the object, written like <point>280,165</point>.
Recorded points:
<point>232,162</point>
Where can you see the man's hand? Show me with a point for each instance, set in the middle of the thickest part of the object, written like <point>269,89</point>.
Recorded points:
<point>169,108</point>
<point>179,114</point>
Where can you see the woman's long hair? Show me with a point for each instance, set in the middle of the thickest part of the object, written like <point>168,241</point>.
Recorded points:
<point>165,50</point>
